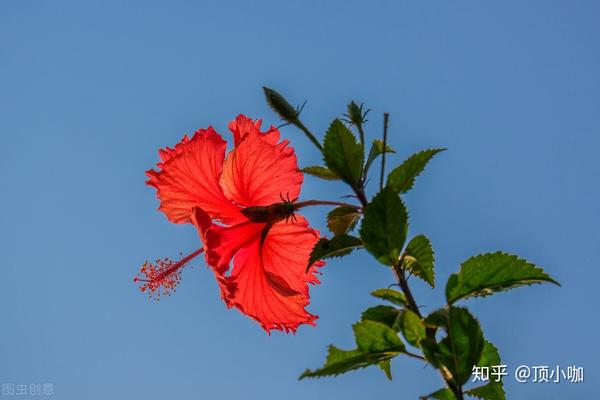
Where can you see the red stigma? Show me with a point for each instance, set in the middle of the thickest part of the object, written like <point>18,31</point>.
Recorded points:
<point>162,277</point>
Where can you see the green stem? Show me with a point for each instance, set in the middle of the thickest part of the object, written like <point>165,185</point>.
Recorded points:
<point>413,355</point>
<point>308,133</point>
<point>412,305</point>
<point>386,117</point>
<point>307,203</point>
<point>361,132</point>
<point>360,194</point>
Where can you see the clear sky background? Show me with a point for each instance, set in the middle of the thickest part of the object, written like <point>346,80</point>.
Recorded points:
<point>90,90</point>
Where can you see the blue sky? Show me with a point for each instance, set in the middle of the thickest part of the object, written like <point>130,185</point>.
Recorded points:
<point>89,92</point>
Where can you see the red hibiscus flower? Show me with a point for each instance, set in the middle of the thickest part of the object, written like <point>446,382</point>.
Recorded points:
<point>256,245</point>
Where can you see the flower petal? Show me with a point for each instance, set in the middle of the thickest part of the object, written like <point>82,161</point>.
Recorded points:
<point>286,251</point>
<point>266,298</point>
<point>268,281</point>
<point>221,244</point>
<point>258,173</point>
<point>188,176</point>
<point>243,127</point>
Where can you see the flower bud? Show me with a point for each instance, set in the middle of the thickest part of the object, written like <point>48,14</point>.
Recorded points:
<point>280,105</point>
<point>356,116</point>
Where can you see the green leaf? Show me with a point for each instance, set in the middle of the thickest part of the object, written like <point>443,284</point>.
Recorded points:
<point>337,246</point>
<point>393,296</point>
<point>412,328</point>
<point>419,259</point>
<point>489,355</point>
<point>341,361</point>
<point>321,172</point>
<point>492,390</point>
<point>489,391</point>
<point>373,337</point>
<point>384,227</point>
<point>442,394</point>
<point>437,319</point>
<point>461,349</point>
<point>402,178</point>
<point>387,315</point>
<point>430,350</point>
<point>386,368</point>
<point>377,343</point>
<point>486,274</point>
<point>342,219</point>
<point>376,151</point>
<point>342,154</point>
